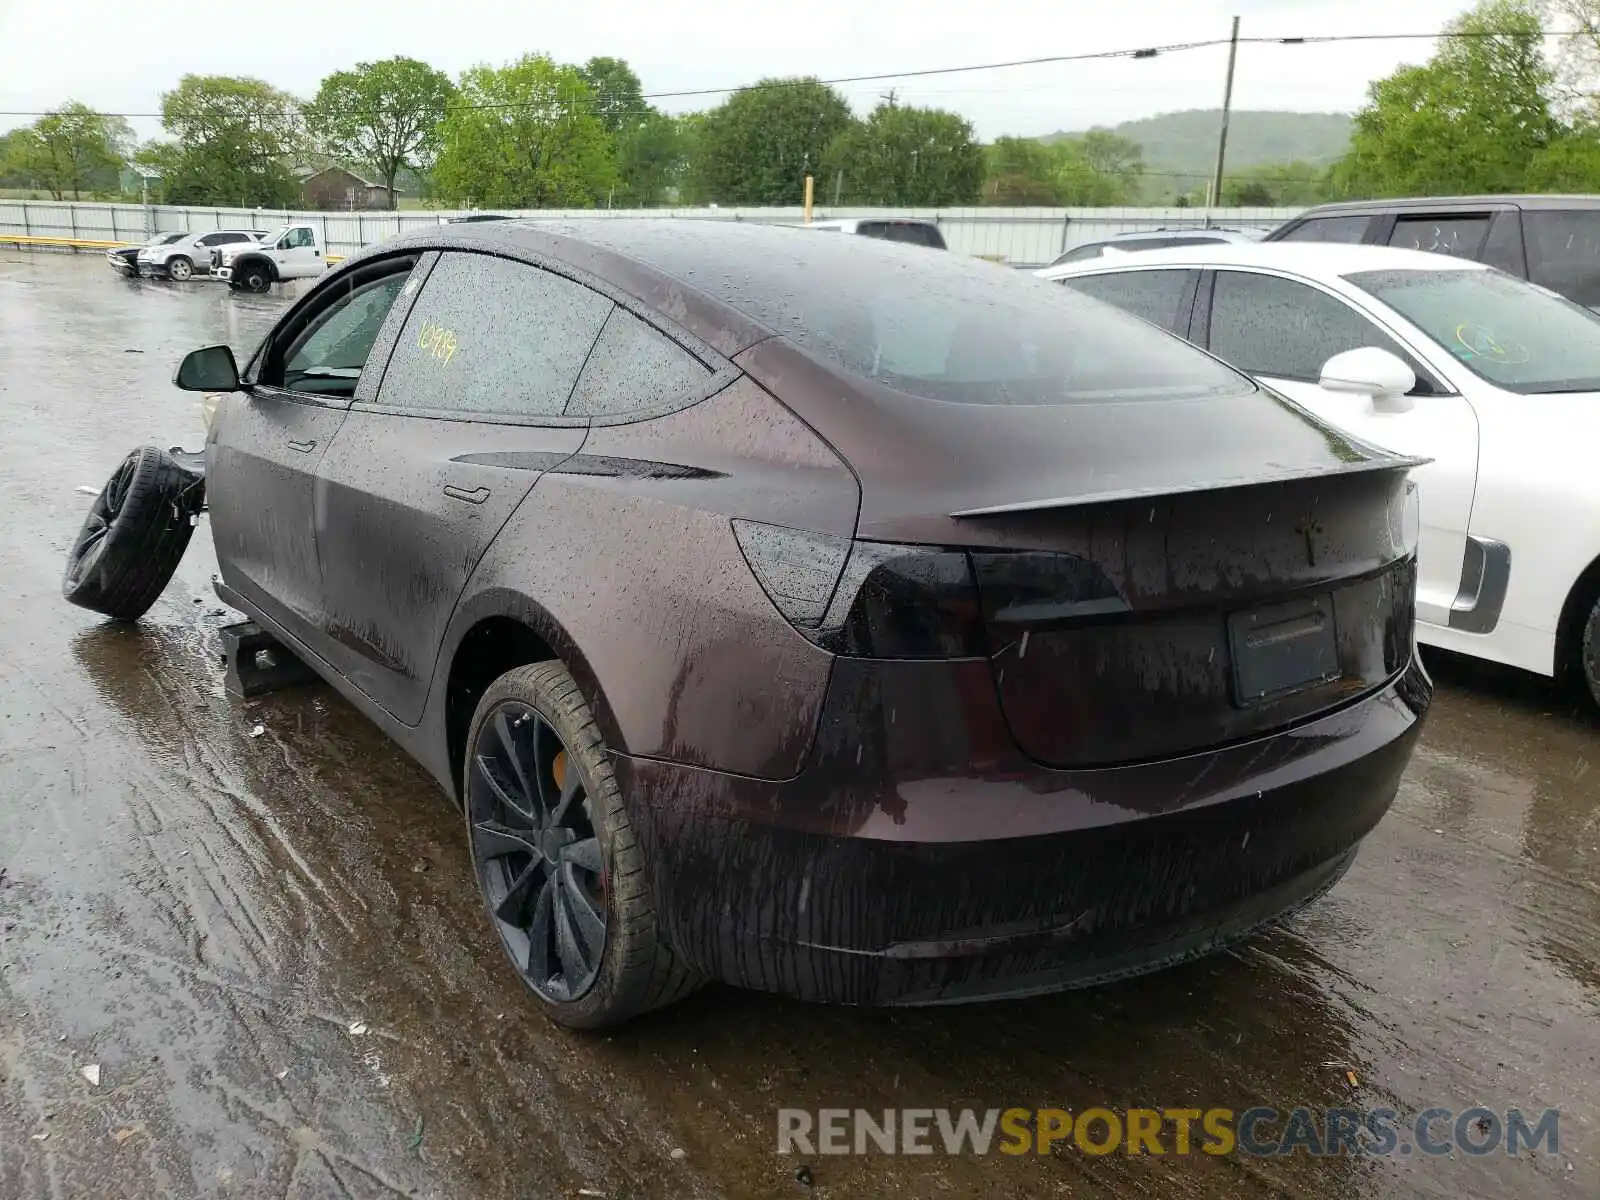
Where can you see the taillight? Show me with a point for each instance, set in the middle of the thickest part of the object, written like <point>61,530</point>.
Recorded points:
<point>868,599</point>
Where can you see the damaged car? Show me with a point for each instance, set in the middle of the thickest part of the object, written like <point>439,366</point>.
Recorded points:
<point>838,620</point>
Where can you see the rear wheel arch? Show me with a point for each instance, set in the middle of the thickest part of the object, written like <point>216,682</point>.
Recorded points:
<point>1580,602</point>
<point>499,632</point>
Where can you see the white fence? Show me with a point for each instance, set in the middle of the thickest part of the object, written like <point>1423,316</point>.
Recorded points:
<point>1022,237</point>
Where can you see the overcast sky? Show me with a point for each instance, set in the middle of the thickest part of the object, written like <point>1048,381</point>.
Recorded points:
<point>120,56</point>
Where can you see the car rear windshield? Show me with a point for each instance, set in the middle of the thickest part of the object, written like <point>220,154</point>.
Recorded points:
<point>989,337</point>
<point>1518,337</point>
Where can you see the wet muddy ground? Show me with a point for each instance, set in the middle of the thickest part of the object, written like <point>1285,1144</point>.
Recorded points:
<point>272,949</point>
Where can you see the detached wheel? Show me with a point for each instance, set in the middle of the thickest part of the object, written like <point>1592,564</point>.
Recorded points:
<point>1589,653</point>
<point>254,277</point>
<point>556,858</point>
<point>134,536</point>
<point>180,269</point>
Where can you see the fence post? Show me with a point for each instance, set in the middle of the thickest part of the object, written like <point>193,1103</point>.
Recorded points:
<point>1066,225</point>
<point>361,237</point>
<point>114,235</point>
<point>325,246</point>
<point>27,225</point>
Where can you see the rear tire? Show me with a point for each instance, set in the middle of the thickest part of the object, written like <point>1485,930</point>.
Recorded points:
<point>533,728</point>
<point>1589,653</point>
<point>134,536</point>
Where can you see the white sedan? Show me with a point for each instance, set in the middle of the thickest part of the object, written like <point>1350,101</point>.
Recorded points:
<point>1494,379</point>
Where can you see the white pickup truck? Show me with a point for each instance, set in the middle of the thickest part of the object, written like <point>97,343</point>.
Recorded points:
<point>291,252</point>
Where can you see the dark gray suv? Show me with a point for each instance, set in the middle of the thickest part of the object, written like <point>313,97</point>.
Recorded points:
<point>1553,241</point>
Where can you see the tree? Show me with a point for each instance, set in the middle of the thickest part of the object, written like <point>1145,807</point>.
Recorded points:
<point>1022,172</point>
<point>1100,168</point>
<point>911,156</point>
<point>72,149</point>
<point>525,135</point>
<point>1570,163</point>
<point>1470,120</point>
<point>651,160</point>
<point>234,137</point>
<point>618,98</point>
<point>1577,58</point>
<point>383,114</point>
<point>11,172</point>
<point>758,146</point>
<point>1291,184</point>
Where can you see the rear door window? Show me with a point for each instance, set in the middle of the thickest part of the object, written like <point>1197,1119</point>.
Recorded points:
<point>634,367</point>
<point>912,232</point>
<point>1283,329</point>
<point>1564,252</point>
<point>490,336</point>
<point>1328,229</point>
<point>1161,297</point>
<point>1080,253</point>
<point>1458,234</point>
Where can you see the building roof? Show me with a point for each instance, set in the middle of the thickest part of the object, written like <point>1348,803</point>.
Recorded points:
<point>306,175</point>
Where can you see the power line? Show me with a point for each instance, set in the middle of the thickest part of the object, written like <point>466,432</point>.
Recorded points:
<point>1132,52</point>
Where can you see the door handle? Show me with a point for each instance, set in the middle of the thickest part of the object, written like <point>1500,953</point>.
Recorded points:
<point>475,496</point>
<point>303,447</point>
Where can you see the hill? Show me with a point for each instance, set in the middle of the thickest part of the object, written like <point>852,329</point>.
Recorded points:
<point>1187,141</point>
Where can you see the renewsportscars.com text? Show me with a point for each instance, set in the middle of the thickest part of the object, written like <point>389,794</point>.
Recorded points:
<point>1258,1132</point>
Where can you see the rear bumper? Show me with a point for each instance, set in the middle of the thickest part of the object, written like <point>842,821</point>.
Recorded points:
<point>872,878</point>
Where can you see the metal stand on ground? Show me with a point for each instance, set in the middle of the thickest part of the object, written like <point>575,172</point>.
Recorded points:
<point>257,663</point>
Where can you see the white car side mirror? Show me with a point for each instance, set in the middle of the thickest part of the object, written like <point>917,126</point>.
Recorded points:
<point>1377,374</point>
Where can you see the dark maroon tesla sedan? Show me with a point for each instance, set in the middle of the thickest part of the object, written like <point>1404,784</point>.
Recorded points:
<point>821,616</point>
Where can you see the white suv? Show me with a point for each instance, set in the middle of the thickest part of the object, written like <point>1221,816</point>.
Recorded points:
<point>190,254</point>
<point>290,252</point>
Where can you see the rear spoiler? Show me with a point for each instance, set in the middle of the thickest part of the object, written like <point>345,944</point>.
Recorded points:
<point>1392,463</point>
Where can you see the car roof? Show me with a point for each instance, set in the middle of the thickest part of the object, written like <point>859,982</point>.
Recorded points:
<point>1306,258</point>
<point>1358,207</point>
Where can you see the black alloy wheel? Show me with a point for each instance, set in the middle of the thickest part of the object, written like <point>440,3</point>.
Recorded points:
<point>536,851</point>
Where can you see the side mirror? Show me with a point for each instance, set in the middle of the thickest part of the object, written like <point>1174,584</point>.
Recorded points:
<point>1377,374</point>
<point>211,369</point>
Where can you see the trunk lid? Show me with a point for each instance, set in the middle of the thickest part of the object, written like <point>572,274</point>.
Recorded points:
<point>1153,577</point>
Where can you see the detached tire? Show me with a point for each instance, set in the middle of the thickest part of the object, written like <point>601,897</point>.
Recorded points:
<point>558,863</point>
<point>134,537</point>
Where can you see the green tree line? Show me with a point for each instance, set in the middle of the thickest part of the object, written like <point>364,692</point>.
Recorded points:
<point>1492,110</point>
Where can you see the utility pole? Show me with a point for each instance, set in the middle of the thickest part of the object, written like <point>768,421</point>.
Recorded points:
<point>1227,105</point>
<point>889,96</point>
